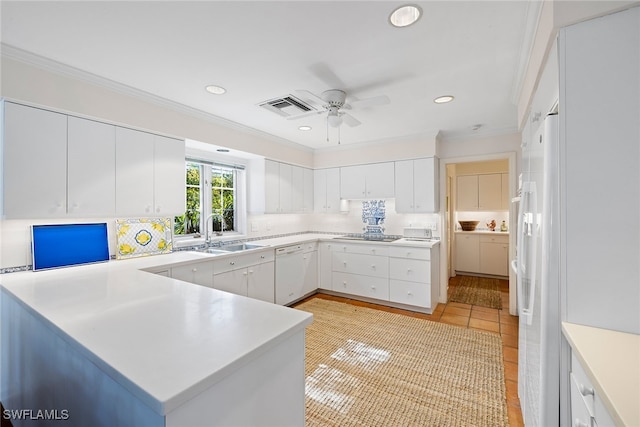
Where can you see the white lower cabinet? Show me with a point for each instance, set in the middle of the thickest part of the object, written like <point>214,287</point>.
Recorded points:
<point>587,408</point>
<point>482,253</point>
<point>200,273</point>
<point>401,275</point>
<point>250,274</point>
<point>324,265</point>
<point>468,253</point>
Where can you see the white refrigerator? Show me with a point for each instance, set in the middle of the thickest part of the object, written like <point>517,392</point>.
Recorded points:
<point>578,232</point>
<point>538,279</point>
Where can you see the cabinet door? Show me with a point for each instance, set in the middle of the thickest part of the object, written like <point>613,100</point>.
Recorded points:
<point>307,193</point>
<point>467,192</point>
<point>310,278</point>
<point>494,258</point>
<point>506,200</point>
<point>200,273</point>
<point>467,253</point>
<point>333,190</point>
<point>380,180</point>
<point>324,266</point>
<point>490,192</point>
<point>169,176</point>
<point>404,186</point>
<point>261,282</point>
<point>320,190</point>
<point>35,162</point>
<point>286,188</point>
<point>91,168</point>
<point>352,182</point>
<point>234,281</point>
<point>272,186</point>
<point>134,172</point>
<point>425,185</point>
<point>297,189</point>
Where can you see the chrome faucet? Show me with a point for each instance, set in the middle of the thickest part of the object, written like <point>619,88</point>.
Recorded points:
<point>207,240</point>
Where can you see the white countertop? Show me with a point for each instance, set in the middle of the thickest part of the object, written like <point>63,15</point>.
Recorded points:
<point>162,339</point>
<point>134,324</point>
<point>495,233</point>
<point>611,359</point>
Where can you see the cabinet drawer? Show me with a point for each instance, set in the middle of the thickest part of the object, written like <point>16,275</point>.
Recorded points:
<point>372,287</point>
<point>310,247</point>
<point>583,385</point>
<point>411,270</point>
<point>228,263</point>
<point>199,273</point>
<point>488,238</point>
<point>412,293</point>
<point>409,252</point>
<point>371,249</point>
<point>368,265</point>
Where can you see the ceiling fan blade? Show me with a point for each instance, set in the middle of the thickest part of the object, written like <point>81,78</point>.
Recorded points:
<point>326,75</point>
<point>311,98</point>
<point>370,102</point>
<point>350,120</point>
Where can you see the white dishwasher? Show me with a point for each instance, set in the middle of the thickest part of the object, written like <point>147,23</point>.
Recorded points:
<point>296,266</point>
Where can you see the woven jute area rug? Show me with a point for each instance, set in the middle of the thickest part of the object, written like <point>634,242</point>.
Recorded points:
<point>477,291</point>
<point>367,367</point>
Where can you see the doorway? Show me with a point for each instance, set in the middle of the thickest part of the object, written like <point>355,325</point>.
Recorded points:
<point>502,163</point>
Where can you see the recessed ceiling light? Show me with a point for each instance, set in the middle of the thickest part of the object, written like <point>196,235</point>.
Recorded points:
<point>216,90</point>
<point>222,150</point>
<point>443,99</point>
<point>305,128</point>
<point>405,15</point>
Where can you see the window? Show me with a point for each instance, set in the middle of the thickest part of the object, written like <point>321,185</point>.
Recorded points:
<point>213,193</point>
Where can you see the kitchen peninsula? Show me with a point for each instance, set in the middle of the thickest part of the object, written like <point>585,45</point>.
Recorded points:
<point>114,345</point>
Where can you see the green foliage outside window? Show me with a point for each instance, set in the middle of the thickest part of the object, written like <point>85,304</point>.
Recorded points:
<point>189,222</point>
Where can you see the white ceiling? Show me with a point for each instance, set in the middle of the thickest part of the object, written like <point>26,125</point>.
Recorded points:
<point>261,50</point>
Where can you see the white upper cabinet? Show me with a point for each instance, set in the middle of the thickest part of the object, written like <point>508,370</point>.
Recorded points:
<point>490,192</point>
<point>169,176</point>
<point>416,185</point>
<point>467,193</point>
<point>91,167</point>
<point>376,181</point>
<point>149,174</point>
<point>34,164</point>
<point>326,190</point>
<point>288,188</point>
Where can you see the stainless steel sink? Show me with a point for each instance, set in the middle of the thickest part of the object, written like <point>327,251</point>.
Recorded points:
<point>239,247</point>
<point>214,251</point>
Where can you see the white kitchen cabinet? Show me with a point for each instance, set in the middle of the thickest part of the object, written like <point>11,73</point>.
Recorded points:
<point>326,190</point>
<point>169,176</point>
<point>91,167</point>
<point>248,274</point>
<point>412,280</point>
<point>371,181</point>
<point>261,281</point>
<point>149,174</point>
<point>361,270</point>
<point>35,159</point>
<point>324,265</point>
<point>200,273</point>
<point>288,188</point>
<point>310,259</point>
<point>494,255</point>
<point>506,199</point>
<point>364,286</point>
<point>272,186</point>
<point>482,192</point>
<point>416,185</point>
<point>467,252</point>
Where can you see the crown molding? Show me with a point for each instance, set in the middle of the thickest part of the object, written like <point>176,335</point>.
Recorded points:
<point>53,66</point>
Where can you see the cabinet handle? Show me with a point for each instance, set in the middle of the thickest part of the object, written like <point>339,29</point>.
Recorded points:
<point>194,270</point>
<point>158,209</point>
<point>408,270</point>
<point>250,271</point>
<point>262,256</point>
<point>409,293</point>
<point>373,287</point>
<point>373,266</point>
<point>345,263</point>
<point>232,263</point>
<point>408,253</point>
<point>244,273</point>
<point>344,283</point>
<point>585,391</point>
<point>147,209</point>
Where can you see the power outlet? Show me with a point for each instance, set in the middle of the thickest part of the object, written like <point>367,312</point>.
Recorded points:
<point>432,226</point>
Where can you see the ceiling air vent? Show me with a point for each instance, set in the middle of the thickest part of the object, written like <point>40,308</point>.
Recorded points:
<point>288,106</point>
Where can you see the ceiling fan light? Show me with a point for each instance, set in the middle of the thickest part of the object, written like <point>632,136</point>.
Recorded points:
<point>405,16</point>
<point>334,120</point>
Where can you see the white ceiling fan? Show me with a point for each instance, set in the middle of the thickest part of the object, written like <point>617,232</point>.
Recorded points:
<point>333,102</point>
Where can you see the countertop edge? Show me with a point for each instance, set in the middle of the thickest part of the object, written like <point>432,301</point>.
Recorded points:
<point>582,340</point>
